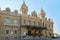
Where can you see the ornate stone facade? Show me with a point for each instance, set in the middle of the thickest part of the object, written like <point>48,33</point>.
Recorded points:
<point>30,25</point>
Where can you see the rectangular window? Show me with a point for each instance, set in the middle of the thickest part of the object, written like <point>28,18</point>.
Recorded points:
<point>35,15</point>
<point>33,22</point>
<point>24,21</point>
<point>7,31</point>
<point>15,31</point>
<point>8,12</point>
<point>38,23</point>
<point>49,26</point>
<point>29,22</point>
<point>43,24</point>
<point>15,11</point>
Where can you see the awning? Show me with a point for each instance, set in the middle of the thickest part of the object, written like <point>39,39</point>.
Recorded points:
<point>33,26</point>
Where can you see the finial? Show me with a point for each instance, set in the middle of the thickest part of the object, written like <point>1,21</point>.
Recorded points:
<point>23,1</point>
<point>41,9</point>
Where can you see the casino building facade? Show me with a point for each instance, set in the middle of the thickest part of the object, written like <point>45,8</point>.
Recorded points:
<point>14,24</point>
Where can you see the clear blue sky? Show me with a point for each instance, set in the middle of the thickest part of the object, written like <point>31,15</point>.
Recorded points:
<point>51,8</point>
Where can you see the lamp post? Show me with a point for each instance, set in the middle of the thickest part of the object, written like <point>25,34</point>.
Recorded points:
<point>24,33</point>
<point>11,34</point>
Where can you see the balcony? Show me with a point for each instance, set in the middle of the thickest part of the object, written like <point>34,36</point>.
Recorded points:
<point>11,24</point>
<point>16,25</point>
<point>7,23</point>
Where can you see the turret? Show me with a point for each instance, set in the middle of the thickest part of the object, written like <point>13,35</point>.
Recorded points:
<point>42,14</point>
<point>24,9</point>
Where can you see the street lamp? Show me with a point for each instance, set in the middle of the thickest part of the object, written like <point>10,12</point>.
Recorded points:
<point>24,33</point>
<point>11,34</point>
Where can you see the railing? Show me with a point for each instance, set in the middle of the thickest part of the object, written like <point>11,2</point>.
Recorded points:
<point>7,23</point>
<point>11,24</point>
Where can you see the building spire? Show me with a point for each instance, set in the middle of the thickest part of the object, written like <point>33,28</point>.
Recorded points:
<point>42,9</point>
<point>24,8</point>
<point>23,1</point>
<point>42,13</point>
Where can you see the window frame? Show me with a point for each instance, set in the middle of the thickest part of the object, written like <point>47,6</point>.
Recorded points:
<point>7,20</point>
<point>15,31</point>
<point>15,21</point>
<point>7,31</point>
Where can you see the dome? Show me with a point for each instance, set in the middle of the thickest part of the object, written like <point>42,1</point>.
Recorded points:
<point>7,9</point>
<point>15,11</point>
<point>34,13</point>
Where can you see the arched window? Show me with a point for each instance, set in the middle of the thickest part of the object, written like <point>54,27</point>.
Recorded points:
<point>7,20</point>
<point>33,22</point>
<point>34,14</point>
<point>15,21</point>
<point>29,22</point>
<point>24,21</point>
<point>15,12</point>
<point>8,10</point>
